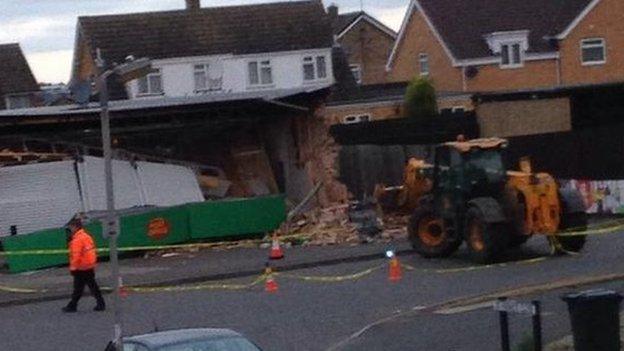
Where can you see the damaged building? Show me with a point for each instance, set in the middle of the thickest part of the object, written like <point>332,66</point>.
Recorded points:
<point>236,93</point>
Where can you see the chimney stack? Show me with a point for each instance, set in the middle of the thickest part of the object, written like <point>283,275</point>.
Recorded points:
<point>193,5</point>
<point>332,10</point>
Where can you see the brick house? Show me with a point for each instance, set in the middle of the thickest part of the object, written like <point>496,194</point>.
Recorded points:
<point>366,41</point>
<point>17,83</point>
<point>510,45</point>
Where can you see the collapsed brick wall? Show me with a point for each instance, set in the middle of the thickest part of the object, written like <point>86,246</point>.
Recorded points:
<point>320,153</point>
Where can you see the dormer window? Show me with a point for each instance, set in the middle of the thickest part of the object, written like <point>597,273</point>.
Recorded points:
<point>510,46</point>
<point>511,55</point>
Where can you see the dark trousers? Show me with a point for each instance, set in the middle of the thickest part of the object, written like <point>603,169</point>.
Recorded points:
<point>82,278</point>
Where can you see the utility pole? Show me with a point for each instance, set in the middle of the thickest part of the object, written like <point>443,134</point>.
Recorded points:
<point>109,226</point>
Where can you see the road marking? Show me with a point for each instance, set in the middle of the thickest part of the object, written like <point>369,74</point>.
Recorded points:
<point>476,302</point>
<point>467,308</point>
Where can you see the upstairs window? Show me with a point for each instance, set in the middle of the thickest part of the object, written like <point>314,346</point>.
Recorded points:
<point>423,62</point>
<point>151,84</point>
<point>511,55</point>
<point>201,74</point>
<point>321,67</point>
<point>510,46</point>
<point>593,51</point>
<point>260,73</point>
<point>314,68</point>
<point>356,70</point>
<point>18,101</point>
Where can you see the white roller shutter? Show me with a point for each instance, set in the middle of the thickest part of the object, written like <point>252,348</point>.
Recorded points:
<point>126,187</point>
<point>38,196</point>
<point>168,185</point>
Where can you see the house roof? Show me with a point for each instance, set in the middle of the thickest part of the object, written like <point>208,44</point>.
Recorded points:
<point>345,20</point>
<point>160,103</point>
<point>15,74</point>
<point>384,93</point>
<point>462,24</point>
<point>247,29</point>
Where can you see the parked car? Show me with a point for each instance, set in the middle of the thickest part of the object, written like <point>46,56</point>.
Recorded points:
<point>204,339</point>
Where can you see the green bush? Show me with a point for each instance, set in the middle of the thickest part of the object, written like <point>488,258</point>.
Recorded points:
<point>420,100</point>
<point>526,344</point>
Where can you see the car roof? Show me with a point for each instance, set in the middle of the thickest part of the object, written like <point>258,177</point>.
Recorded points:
<point>172,337</point>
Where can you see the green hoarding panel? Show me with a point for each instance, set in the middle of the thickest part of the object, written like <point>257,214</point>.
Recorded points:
<point>236,217</point>
<point>50,239</point>
<point>157,227</point>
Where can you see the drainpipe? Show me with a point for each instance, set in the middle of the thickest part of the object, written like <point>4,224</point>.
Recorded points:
<point>464,82</point>
<point>558,61</point>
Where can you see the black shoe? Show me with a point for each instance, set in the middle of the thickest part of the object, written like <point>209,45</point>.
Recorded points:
<point>99,308</point>
<point>68,309</point>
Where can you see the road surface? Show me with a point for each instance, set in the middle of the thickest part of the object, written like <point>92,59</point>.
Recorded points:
<point>307,315</point>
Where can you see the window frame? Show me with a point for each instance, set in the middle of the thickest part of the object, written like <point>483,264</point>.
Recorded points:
<point>314,60</point>
<point>308,61</point>
<point>423,61</point>
<point>357,118</point>
<point>206,71</point>
<point>510,55</point>
<point>260,65</point>
<point>317,62</point>
<point>156,73</point>
<point>11,106</point>
<point>602,45</point>
<point>356,68</point>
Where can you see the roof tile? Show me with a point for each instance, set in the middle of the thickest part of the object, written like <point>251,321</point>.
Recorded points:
<point>248,29</point>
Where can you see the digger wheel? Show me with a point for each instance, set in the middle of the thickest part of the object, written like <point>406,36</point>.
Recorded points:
<point>573,220</point>
<point>515,206</point>
<point>430,236</point>
<point>485,240</point>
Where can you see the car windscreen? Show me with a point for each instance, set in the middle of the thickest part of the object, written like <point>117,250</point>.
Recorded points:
<point>221,344</point>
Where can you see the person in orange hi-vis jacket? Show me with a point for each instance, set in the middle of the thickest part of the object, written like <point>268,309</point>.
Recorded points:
<point>82,262</point>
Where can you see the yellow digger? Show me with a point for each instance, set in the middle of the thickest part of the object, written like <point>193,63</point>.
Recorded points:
<point>468,195</point>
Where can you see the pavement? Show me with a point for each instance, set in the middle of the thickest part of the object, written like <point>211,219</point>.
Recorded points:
<point>178,268</point>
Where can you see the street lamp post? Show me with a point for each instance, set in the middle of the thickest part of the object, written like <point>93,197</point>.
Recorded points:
<point>132,69</point>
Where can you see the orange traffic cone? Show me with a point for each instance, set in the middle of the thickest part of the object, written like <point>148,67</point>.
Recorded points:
<point>276,250</point>
<point>123,292</point>
<point>270,285</point>
<point>394,273</point>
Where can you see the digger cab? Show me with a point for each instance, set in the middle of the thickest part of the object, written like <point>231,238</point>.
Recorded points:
<point>474,168</point>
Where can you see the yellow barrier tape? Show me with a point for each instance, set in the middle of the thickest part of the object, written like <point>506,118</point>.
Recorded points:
<point>603,225</point>
<point>207,286</point>
<point>20,290</point>
<point>332,279</point>
<point>595,230</point>
<point>307,278</point>
<point>473,268</point>
<point>149,248</point>
<point>592,231</point>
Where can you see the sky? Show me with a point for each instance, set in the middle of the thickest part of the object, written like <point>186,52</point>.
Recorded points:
<point>45,29</point>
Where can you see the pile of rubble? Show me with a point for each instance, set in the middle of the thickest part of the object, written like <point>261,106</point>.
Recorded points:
<point>344,224</point>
